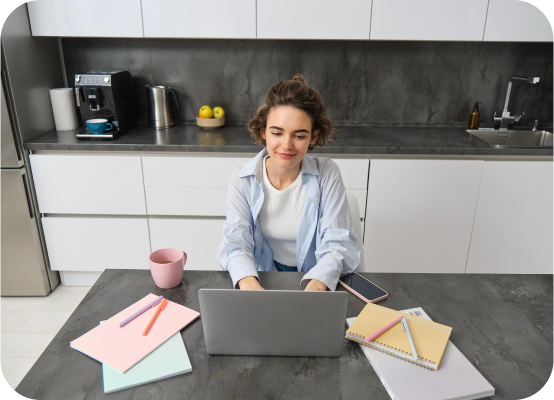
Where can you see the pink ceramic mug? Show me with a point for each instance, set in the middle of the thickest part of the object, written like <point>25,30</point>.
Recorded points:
<point>167,266</point>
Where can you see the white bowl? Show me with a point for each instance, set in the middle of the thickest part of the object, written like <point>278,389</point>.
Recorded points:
<point>210,123</point>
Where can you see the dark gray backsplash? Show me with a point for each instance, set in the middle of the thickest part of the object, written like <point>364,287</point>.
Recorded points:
<point>362,82</point>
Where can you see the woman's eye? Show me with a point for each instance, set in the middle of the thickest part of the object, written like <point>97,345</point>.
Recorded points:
<point>276,133</point>
<point>301,137</point>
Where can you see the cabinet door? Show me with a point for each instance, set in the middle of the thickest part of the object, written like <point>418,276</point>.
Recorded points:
<point>198,238</point>
<point>516,21</point>
<point>96,244</point>
<point>420,214</point>
<point>513,223</point>
<point>311,19</point>
<point>428,19</point>
<point>99,18</point>
<point>88,184</point>
<point>198,19</point>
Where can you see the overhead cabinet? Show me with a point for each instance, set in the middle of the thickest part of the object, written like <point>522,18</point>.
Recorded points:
<point>313,19</point>
<point>437,20</point>
<point>198,19</point>
<point>98,18</point>
<point>516,21</point>
<point>428,20</point>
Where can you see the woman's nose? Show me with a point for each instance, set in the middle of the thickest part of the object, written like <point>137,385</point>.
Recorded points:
<point>286,143</point>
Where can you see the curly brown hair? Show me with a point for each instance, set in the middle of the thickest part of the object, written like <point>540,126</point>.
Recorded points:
<point>298,94</point>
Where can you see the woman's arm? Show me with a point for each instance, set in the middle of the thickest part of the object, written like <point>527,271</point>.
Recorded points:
<point>336,252</point>
<point>236,251</point>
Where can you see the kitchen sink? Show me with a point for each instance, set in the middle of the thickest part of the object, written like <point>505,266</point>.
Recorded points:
<point>511,138</point>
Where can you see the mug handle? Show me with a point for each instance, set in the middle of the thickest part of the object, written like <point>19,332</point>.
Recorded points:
<point>107,129</point>
<point>184,257</point>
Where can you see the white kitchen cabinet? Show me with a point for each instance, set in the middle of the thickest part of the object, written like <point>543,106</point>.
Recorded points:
<point>78,184</point>
<point>186,201</point>
<point>99,18</point>
<point>420,214</point>
<point>204,172</point>
<point>428,20</point>
<point>353,172</point>
<point>95,244</point>
<point>512,232</point>
<point>197,186</point>
<point>198,238</point>
<point>197,19</point>
<point>313,19</point>
<point>516,21</point>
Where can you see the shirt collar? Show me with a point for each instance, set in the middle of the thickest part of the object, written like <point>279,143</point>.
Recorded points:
<point>254,166</point>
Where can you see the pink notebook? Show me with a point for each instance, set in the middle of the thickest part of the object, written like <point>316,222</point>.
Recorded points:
<point>123,347</point>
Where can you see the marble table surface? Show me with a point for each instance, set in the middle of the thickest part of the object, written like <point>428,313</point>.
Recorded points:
<point>501,323</point>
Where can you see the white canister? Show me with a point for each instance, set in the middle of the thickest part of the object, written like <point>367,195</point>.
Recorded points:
<point>65,111</point>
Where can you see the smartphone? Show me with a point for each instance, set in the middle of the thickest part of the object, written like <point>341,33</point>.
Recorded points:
<point>362,287</point>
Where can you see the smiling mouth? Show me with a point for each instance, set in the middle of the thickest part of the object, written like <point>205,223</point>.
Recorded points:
<point>285,154</point>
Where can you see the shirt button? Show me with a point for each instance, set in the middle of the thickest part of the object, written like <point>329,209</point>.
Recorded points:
<point>316,199</point>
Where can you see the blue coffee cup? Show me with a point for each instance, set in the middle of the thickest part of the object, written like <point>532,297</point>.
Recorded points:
<point>98,126</point>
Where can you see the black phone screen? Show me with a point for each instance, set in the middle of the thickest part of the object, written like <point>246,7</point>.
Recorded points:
<point>362,286</point>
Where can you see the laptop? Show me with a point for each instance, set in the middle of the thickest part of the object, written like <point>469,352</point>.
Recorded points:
<point>273,322</point>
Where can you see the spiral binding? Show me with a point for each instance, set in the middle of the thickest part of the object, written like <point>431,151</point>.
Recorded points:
<point>393,354</point>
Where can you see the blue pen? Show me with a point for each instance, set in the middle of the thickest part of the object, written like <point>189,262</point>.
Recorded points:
<point>143,309</point>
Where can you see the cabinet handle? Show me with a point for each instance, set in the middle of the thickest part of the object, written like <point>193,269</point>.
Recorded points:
<point>27,196</point>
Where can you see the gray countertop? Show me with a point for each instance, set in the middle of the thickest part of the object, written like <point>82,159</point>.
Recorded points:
<point>501,323</point>
<point>349,140</point>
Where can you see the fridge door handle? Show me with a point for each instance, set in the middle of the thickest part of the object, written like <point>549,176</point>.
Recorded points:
<point>27,196</point>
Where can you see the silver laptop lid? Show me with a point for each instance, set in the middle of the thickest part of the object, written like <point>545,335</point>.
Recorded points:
<point>273,322</point>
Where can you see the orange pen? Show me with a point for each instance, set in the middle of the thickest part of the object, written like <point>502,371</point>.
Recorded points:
<point>160,308</point>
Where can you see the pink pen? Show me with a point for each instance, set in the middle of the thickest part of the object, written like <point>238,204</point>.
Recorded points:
<point>383,329</point>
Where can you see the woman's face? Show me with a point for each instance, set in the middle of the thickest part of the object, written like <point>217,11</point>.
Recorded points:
<point>288,135</point>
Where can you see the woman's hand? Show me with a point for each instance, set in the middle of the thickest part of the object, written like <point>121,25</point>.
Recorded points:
<point>316,286</point>
<point>250,283</point>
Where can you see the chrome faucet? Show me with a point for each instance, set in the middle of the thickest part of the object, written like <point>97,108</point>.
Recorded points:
<point>506,118</point>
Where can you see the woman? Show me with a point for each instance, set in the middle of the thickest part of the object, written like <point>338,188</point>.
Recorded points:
<point>287,210</point>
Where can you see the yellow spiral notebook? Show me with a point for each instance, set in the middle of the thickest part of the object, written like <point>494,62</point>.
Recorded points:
<point>430,338</point>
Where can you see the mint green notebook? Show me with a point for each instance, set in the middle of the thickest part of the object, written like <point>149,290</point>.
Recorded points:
<point>168,360</point>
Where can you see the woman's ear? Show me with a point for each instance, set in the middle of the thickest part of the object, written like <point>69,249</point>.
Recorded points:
<point>262,133</point>
<point>315,137</point>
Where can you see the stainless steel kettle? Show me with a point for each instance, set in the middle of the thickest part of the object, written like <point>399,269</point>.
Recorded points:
<point>159,113</point>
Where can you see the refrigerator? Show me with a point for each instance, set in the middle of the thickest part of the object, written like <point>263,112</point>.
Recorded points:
<point>30,66</point>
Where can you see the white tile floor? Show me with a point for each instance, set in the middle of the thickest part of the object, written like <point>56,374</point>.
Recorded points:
<point>29,324</point>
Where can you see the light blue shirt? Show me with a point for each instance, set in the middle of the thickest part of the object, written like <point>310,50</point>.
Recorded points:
<point>326,243</point>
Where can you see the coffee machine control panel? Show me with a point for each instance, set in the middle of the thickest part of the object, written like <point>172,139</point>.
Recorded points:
<point>93,80</point>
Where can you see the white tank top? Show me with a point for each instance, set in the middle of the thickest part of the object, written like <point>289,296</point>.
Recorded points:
<point>280,218</point>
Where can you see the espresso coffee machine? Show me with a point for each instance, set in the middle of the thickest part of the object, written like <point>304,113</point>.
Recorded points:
<point>105,95</point>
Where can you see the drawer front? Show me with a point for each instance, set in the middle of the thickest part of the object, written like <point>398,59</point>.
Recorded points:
<point>173,189</point>
<point>198,238</point>
<point>186,201</point>
<point>215,172</point>
<point>189,171</point>
<point>96,244</point>
<point>354,173</point>
<point>88,184</point>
